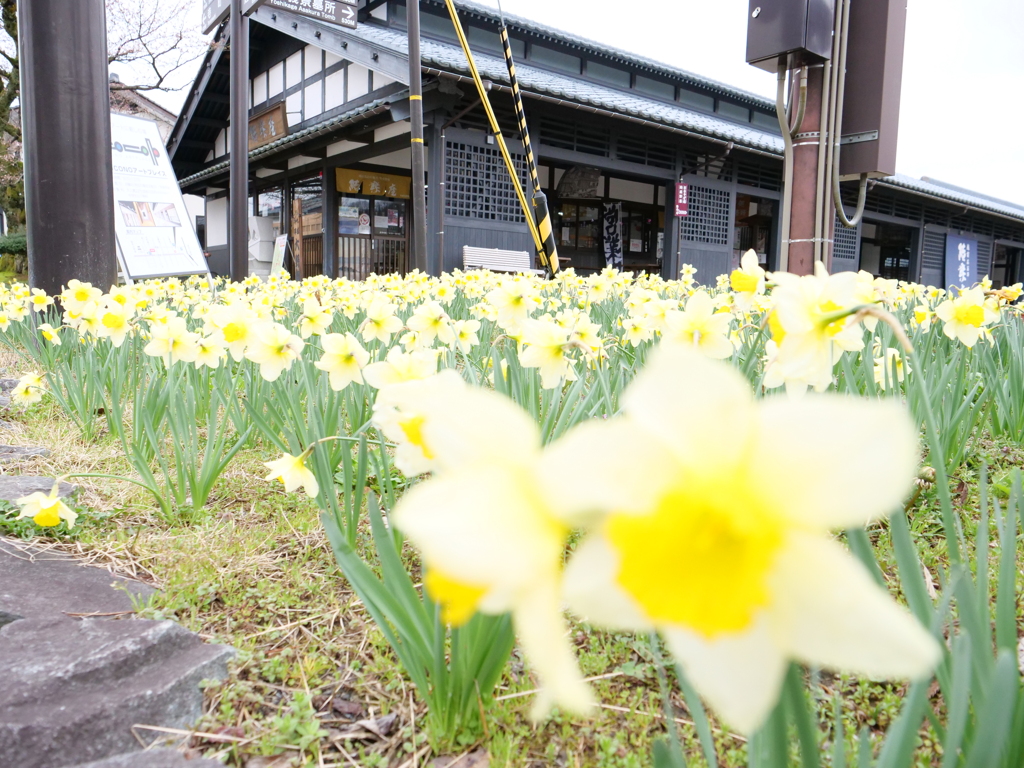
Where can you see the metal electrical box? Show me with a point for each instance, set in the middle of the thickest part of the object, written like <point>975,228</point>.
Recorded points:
<point>874,80</point>
<point>778,28</point>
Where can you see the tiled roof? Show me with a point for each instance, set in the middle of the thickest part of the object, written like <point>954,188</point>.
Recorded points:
<point>641,62</point>
<point>955,194</point>
<point>353,115</point>
<point>450,57</point>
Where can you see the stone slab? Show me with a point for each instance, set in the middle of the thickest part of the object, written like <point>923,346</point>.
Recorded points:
<point>12,453</point>
<point>14,487</point>
<point>36,583</point>
<point>7,385</point>
<point>156,758</point>
<point>73,689</point>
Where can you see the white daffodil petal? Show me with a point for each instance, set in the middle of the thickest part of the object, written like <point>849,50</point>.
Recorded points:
<point>594,595</point>
<point>450,424</point>
<point>542,633</point>
<point>740,676</point>
<point>604,466</point>
<point>696,406</point>
<point>829,613</point>
<point>834,462</point>
<point>483,527</point>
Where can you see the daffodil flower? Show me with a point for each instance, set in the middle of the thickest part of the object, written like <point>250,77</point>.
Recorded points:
<point>717,531</point>
<point>50,333</point>
<point>490,539</point>
<point>812,323</point>
<point>547,349</point>
<point>343,359</point>
<point>964,317</point>
<point>292,473</point>
<point>748,281</point>
<point>699,326</point>
<point>46,510</point>
<point>29,389</point>
<point>884,368</point>
<point>274,349</point>
<point>400,367</point>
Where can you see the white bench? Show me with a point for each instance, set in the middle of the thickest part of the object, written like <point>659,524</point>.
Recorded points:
<point>496,260</point>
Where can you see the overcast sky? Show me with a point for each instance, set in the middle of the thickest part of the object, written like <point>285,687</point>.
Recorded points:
<point>962,119</point>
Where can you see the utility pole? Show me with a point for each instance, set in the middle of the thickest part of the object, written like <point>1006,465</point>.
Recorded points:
<point>806,235</point>
<point>418,258</point>
<point>69,185</point>
<point>238,185</point>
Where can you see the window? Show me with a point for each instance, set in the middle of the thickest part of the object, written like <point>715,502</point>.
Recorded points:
<point>755,217</point>
<point>579,226</point>
<point>602,72</point>
<point>657,88</point>
<point>766,121</point>
<point>549,57</point>
<point>485,39</point>
<point>478,185</point>
<point>436,26</point>
<point>696,100</point>
<point>709,220</point>
<point>733,111</point>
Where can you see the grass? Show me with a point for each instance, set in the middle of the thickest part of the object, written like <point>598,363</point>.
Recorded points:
<point>314,681</point>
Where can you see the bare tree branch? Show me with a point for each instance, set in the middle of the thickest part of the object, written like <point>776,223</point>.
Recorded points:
<point>154,39</point>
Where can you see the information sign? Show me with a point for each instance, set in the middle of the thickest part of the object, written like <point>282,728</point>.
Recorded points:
<point>961,261</point>
<point>154,231</point>
<point>341,12</point>
<point>682,200</point>
<point>214,12</point>
<point>280,246</point>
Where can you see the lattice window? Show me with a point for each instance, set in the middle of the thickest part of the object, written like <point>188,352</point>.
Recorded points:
<point>846,243</point>
<point>984,258</point>
<point>478,185</point>
<point>752,172</point>
<point>645,152</point>
<point>565,134</point>
<point>710,219</point>
<point>708,166</point>
<point>934,251</point>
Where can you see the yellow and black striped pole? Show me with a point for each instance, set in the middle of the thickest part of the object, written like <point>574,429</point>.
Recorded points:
<point>540,201</point>
<point>496,129</point>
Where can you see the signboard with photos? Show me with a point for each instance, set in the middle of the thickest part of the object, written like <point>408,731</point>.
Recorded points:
<point>155,236</point>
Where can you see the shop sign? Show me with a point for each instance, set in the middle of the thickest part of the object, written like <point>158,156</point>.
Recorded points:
<point>341,12</point>
<point>268,127</point>
<point>682,199</point>
<point>352,182</point>
<point>961,261</point>
<point>214,12</point>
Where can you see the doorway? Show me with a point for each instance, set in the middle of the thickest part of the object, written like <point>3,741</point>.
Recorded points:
<point>886,250</point>
<point>372,236</point>
<point>1007,266</point>
<point>307,225</point>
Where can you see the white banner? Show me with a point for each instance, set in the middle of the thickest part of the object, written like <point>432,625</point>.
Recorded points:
<point>154,231</point>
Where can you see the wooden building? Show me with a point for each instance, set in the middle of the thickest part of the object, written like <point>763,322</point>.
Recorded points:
<point>614,132</point>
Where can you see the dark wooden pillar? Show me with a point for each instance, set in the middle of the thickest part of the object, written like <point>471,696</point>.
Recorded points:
<point>69,183</point>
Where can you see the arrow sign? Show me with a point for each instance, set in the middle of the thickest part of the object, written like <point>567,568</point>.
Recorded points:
<point>341,12</point>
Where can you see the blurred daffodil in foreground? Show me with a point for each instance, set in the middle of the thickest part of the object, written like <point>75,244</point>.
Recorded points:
<point>490,539</point>
<point>46,510</point>
<point>717,531</point>
<point>292,472</point>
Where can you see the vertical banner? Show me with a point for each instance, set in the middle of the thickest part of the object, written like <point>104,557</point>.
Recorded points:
<point>961,261</point>
<point>613,235</point>
<point>682,200</point>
